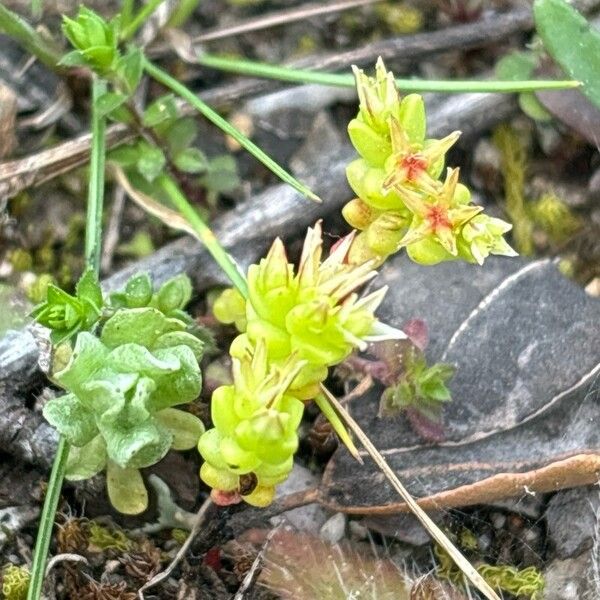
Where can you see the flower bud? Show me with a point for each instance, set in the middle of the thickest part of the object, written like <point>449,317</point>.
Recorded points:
<point>378,96</point>
<point>482,236</point>
<point>230,307</point>
<point>359,214</point>
<point>94,39</point>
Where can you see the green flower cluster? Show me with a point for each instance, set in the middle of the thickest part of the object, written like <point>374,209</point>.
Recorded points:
<point>295,324</point>
<point>401,201</point>
<point>95,41</point>
<point>122,386</point>
<point>65,314</point>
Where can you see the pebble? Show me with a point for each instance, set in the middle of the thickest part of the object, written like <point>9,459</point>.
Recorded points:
<point>571,520</point>
<point>309,518</point>
<point>334,528</point>
<point>571,579</point>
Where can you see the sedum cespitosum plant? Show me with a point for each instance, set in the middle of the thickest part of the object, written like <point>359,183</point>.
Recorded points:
<point>126,371</point>
<point>404,197</point>
<point>294,326</point>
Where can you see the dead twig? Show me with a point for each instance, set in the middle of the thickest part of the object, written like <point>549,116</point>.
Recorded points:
<point>280,17</point>
<point>160,577</point>
<point>436,533</point>
<point>252,573</point>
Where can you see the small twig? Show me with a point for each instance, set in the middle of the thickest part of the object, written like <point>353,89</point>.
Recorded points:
<point>251,575</point>
<point>436,533</point>
<point>281,17</point>
<point>160,577</point>
<point>66,557</point>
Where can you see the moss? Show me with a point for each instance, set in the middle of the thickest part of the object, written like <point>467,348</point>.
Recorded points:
<point>109,539</point>
<point>399,17</point>
<point>21,259</point>
<point>15,582</point>
<point>524,583</point>
<point>554,217</point>
<point>514,167</point>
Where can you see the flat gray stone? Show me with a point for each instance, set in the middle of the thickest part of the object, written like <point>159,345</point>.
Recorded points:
<point>571,518</point>
<point>525,413</point>
<point>571,579</point>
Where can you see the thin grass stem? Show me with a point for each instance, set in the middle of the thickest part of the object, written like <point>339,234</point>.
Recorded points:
<point>139,19</point>
<point>92,254</point>
<point>189,96</point>
<point>267,71</point>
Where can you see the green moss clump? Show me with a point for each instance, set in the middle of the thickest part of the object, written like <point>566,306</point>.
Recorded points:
<point>15,582</point>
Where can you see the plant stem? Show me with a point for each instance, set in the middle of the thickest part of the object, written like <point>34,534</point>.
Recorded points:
<point>44,535</point>
<point>21,31</point>
<point>204,232</point>
<point>139,19</point>
<point>93,224</point>
<point>258,69</point>
<point>181,90</point>
<point>92,256</point>
<point>126,12</point>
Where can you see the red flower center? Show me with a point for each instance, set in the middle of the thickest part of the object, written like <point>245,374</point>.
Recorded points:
<point>437,217</point>
<point>414,164</point>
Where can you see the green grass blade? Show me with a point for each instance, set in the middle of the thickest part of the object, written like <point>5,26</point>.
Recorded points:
<point>258,69</point>
<point>139,19</point>
<point>21,31</point>
<point>182,91</point>
<point>572,42</point>
<point>42,542</point>
<point>203,233</point>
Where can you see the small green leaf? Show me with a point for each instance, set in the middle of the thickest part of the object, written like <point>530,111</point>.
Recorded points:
<point>181,134</point>
<point>136,446</point>
<point>138,325</point>
<point>181,338</point>
<point>133,358</point>
<point>185,427</point>
<point>533,108</point>
<point>151,162</point>
<point>515,66</point>
<point>572,41</point>
<point>174,294</point>
<point>126,489</point>
<point>88,288</point>
<point>108,102</point>
<point>71,419</point>
<point>138,290</point>
<point>130,68</point>
<point>162,109</point>
<point>125,156</point>
<point>180,387</point>
<point>222,174</point>
<point>88,356</point>
<point>72,59</point>
<point>87,461</point>
<point>191,160</point>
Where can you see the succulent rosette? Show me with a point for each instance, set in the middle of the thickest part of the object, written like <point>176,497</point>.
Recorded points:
<point>396,180</point>
<point>295,325</point>
<point>118,413</point>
